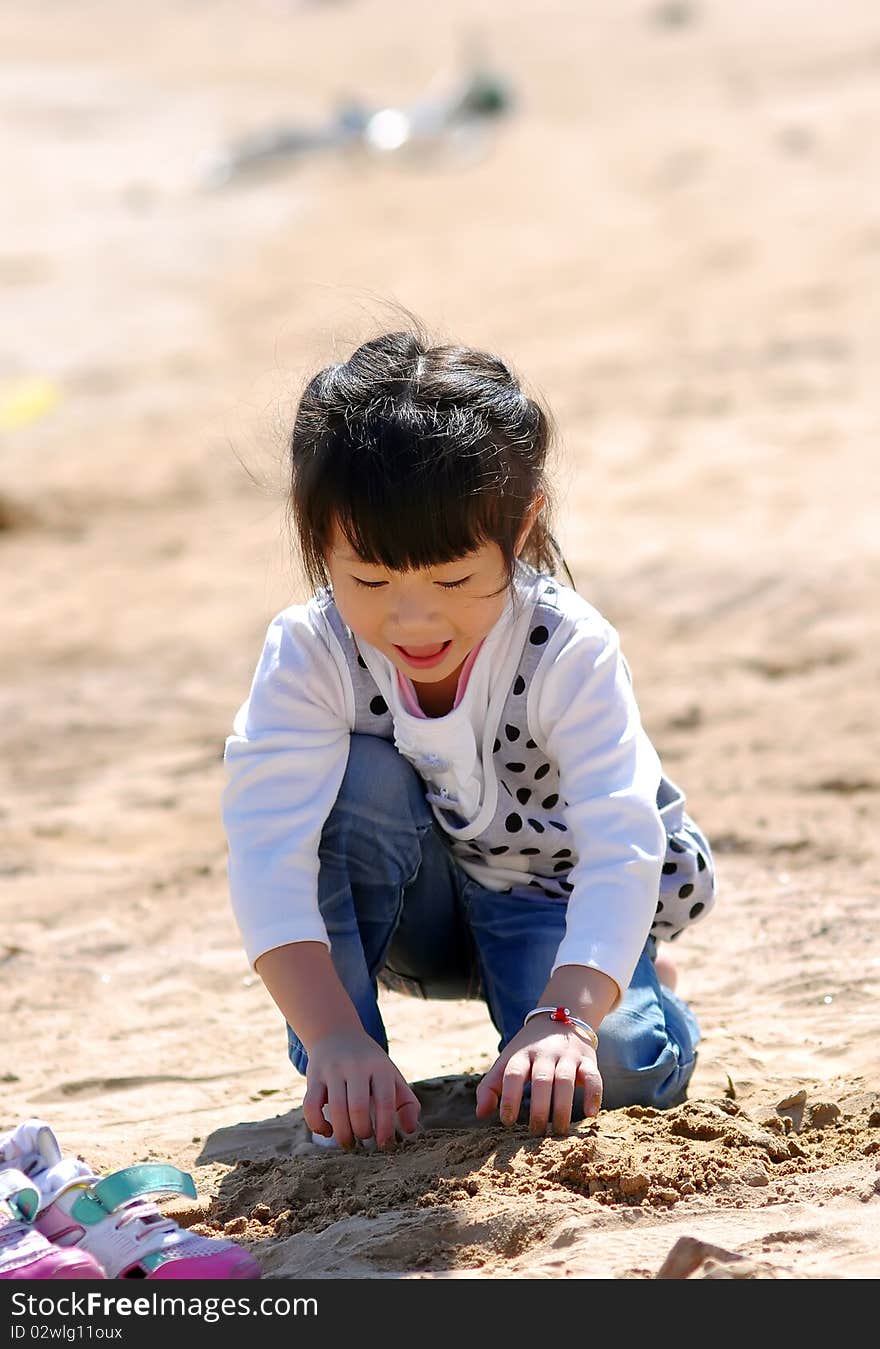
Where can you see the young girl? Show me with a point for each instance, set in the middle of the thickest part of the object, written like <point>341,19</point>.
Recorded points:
<point>440,781</point>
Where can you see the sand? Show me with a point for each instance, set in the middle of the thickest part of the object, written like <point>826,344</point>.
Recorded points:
<point>673,237</point>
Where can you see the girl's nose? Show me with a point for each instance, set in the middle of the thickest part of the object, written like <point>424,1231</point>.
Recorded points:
<point>414,613</point>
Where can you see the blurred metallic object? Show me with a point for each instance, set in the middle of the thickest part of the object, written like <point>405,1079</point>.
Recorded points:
<point>452,120</point>
<point>437,120</point>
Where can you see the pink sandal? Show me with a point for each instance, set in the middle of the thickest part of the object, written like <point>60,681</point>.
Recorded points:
<point>114,1220</point>
<point>24,1252</point>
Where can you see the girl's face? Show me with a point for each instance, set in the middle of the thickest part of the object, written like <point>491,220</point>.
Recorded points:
<point>425,621</point>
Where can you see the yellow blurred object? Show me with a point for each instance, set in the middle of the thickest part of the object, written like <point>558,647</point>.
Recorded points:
<point>26,401</point>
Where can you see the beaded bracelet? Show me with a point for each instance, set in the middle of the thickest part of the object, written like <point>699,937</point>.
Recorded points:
<point>563,1014</point>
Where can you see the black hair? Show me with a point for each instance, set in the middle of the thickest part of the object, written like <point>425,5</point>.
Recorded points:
<point>421,454</point>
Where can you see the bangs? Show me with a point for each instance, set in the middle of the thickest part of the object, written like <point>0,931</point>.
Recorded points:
<point>407,501</point>
<point>434,522</point>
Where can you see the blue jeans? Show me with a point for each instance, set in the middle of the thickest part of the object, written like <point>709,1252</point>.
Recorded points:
<point>399,910</point>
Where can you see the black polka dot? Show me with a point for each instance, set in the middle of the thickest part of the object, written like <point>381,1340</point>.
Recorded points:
<point>562,866</point>
<point>669,868</point>
<point>537,826</point>
<point>542,771</point>
<point>557,824</point>
<point>659,905</point>
<point>701,862</point>
<point>519,684</point>
<point>496,747</point>
<point>563,852</point>
<point>378,705</point>
<point>661,922</point>
<point>512,732</point>
<point>361,662</point>
<point>550,801</point>
<point>516,767</point>
<point>567,885</point>
<point>496,852</point>
<point>696,909</point>
<point>530,744</point>
<point>523,795</point>
<point>529,852</point>
<point>539,635</point>
<point>513,823</point>
<point>676,846</point>
<point>685,891</point>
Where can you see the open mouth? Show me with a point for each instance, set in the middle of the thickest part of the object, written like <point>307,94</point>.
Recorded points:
<point>422,657</point>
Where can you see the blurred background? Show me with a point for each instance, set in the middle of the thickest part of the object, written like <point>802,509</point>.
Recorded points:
<point>666,216</point>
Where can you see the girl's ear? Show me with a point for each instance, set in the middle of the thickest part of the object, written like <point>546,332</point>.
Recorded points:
<point>529,519</point>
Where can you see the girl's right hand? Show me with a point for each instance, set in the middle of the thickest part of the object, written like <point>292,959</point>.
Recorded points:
<point>366,1096</point>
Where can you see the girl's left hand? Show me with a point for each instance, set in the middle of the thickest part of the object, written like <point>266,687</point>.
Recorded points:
<point>555,1062</point>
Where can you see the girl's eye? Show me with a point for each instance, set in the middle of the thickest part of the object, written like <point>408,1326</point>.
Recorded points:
<point>445,585</point>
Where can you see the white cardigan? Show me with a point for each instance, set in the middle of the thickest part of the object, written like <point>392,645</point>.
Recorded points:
<point>548,716</point>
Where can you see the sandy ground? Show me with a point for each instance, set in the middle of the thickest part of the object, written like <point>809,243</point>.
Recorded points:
<point>675,239</point>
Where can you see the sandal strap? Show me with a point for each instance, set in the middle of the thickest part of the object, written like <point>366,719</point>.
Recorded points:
<point>19,1194</point>
<point>133,1182</point>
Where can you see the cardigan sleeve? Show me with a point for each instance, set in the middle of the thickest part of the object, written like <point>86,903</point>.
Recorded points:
<point>284,761</point>
<point>586,715</point>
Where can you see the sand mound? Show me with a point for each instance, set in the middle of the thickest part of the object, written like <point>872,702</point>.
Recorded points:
<point>458,1198</point>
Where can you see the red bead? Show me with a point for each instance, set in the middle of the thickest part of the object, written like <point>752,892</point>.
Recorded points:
<point>561,1014</point>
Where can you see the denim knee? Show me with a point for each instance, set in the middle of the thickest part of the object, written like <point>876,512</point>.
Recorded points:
<point>379,817</point>
<point>648,1044</point>
<point>658,1077</point>
<point>377,777</point>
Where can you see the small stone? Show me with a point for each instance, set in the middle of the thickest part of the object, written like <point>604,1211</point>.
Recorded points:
<point>688,1254</point>
<point>797,1098</point>
<point>792,1108</point>
<point>822,1113</point>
